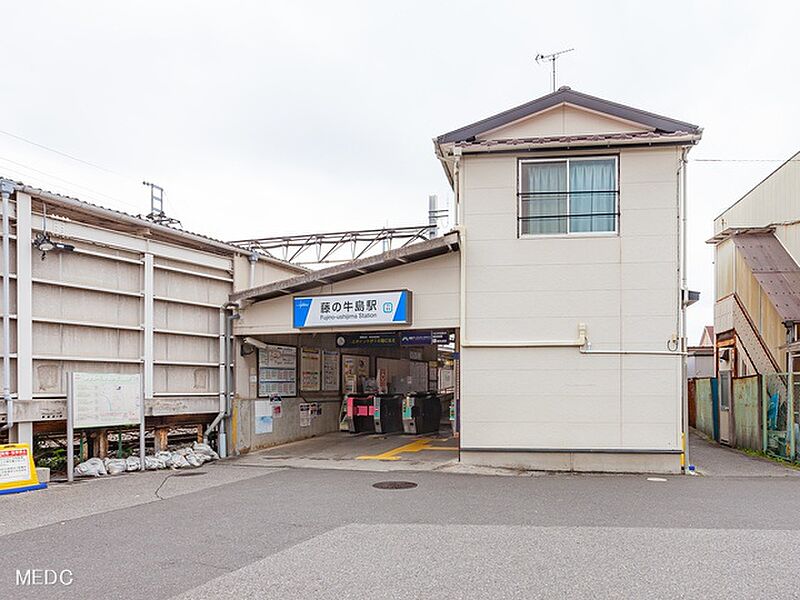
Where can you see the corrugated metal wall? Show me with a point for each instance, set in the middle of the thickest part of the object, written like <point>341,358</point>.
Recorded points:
<point>747,412</point>
<point>88,314</point>
<point>704,406</point>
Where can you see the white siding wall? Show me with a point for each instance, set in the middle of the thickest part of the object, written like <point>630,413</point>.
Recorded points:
<point>537,289</point>
<point>772,201</point>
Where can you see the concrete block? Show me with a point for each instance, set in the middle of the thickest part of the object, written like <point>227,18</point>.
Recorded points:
<point>43,474</point>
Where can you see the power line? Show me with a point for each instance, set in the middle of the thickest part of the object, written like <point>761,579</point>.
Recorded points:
<point>67,181</point>
<point>64,154</point>
<point>743,160</point>
<point>128,178</point>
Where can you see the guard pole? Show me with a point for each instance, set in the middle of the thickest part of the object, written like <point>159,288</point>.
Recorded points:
<point>764,413</point>
<point>790,417</point>
<point>141,427</point>
<point>70,432</point>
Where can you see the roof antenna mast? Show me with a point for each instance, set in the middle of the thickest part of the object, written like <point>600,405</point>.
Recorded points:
<point>157,214</point>
<point>552,58</point>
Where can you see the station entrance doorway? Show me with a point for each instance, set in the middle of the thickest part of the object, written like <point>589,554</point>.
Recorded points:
<point>386,395</point>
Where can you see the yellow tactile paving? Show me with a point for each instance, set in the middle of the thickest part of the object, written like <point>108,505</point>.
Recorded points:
<point>419,445</point>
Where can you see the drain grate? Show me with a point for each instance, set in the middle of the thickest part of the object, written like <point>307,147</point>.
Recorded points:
<point>394,485</point>
<point>190,474</point>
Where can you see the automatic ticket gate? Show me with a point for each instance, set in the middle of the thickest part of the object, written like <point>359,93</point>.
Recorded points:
<point>360,413</point>
<point>421,412</point>
<point>388,413</point>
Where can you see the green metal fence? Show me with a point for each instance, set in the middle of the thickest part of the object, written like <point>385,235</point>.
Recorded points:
<point>779,414</point>
<point>746,422</point>
<point>764,413</point>
<point>704,406</point>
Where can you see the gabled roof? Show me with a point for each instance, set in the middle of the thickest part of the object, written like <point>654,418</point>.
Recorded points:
<point>566,95</point>
<point>774,269</point>
<point>349,270</point>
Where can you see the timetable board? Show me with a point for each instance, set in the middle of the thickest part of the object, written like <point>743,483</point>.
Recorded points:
<point>277,371</point>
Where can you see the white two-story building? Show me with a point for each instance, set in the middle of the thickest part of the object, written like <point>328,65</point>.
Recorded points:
<point>563,283</point>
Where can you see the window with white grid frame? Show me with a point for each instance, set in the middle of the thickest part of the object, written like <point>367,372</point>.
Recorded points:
<point>568,196</point>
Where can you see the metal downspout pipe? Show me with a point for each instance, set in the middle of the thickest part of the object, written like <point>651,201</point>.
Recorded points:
<point>684,297</point>
<point>5,190</point>
<point>226,380</point>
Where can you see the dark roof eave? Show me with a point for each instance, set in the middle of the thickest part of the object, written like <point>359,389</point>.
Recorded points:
<point>569,96</point>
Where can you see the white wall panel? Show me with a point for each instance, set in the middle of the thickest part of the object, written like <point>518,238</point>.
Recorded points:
<point>86,306</point>
<point>190,287</point>
<point>623,287</point>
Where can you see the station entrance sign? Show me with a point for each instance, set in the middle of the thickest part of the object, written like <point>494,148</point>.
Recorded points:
<point>342,310</point>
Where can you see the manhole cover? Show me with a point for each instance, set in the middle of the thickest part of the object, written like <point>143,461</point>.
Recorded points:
<point>394,485</point>
<point>190,474</point>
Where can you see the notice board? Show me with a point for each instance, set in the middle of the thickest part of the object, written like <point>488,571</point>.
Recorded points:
<point>310,369</point>
<point>419,376</point>
<point>330,371</point>
<point>355,367</point>
<point>277,371</point>
<point>106,399</point>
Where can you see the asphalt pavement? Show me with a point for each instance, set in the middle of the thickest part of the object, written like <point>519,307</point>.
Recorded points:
<point>244,529</point>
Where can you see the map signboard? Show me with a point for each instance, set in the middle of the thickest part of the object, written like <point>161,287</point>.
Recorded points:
<point>106,399</point>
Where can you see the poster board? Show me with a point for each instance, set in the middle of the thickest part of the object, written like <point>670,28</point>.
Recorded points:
<point>106,399</point>
<point>446,379</point>
<point>263,416</point>
<point>305,414</point>
<point>330,371</point>
<point>17,471</point>
<point>419,376</point>
<point>277,371</point>
<point>310,370</point>
<point>355,366</point>
<point>433,375</point>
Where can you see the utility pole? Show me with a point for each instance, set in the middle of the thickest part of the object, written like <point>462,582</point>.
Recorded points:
<point>552,58</point>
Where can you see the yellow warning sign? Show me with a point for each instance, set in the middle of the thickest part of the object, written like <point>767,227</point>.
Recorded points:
<point>17,471</point>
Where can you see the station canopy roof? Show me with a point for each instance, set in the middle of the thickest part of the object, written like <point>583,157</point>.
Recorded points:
<point>349,270</point>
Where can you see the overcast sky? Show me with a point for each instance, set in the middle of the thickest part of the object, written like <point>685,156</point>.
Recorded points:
<point>262,118</point>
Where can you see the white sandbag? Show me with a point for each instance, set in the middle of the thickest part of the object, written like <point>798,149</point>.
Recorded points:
<point>163,455</point>
<point>199,448</point>
<point>177,461</point>
<point>115,466</point>
<point>93,467</point>
<point>132,463</point>
<point>193,459</point>
<point>152,463</point>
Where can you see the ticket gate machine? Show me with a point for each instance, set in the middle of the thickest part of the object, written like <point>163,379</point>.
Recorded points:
<point>360,413</point>
<point>388,413</point>
<point>421,412</point>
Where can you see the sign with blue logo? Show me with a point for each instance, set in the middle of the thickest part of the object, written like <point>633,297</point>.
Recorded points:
<point>426,338</point>
<point>341,310</point>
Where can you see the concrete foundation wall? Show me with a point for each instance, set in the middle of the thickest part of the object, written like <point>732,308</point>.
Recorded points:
<point>579,462</point>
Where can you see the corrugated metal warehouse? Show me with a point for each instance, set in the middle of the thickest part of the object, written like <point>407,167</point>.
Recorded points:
<point>96,290</point>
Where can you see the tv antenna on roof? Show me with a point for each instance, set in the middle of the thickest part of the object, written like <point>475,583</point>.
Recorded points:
<point>552,58</point>
<point>157,214</point>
